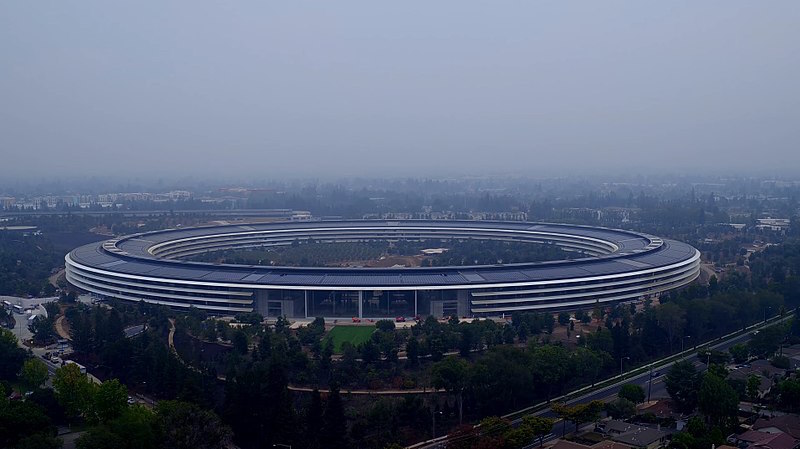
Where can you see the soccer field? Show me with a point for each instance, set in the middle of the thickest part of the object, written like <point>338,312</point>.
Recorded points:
<point>354,334</point>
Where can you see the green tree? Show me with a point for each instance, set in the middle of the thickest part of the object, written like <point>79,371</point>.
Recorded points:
<point>563,318</point>
<point>739,352</point>
<point>672,319</point>
<point>39,441</point>
<point>11,355</point>
<point>34,373</point>
<point>621,408</point>
<point>789,395</point>
<point>550,367</point>
<point>586,364</point>
<point>385,325</point>
<point>451,374</point>
<point>632,392</point>
<point>683,440</point>
<point>765,342</point>
<point>412,351</point>
<point>753,384</point>
<point>187,426</point>
<point>314,421</point>
<point>109,401</point>
<point>42,329</point>
<point>718,370</point>
<point>138,427</point>
<point>334,429</point>
<point>540,426</point>
<point>683,383</point>
<point>494,425</point>
<point>718,401</point>
<point>100,437</point>
<point>73,390</point>
<point>239,342</point>
<point>19,419</point>
<point>579,413</point>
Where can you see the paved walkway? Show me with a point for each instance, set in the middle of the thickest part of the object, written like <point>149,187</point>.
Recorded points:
<point>59,325</point>
<point>171,337</point>
<point>53,279</point>
<point>370,392</point>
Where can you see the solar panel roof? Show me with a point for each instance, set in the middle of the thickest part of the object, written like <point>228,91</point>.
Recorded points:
<point>634,254</point>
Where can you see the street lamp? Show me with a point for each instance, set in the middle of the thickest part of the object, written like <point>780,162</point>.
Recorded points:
<point>620,364</point>
<point>684,340</point>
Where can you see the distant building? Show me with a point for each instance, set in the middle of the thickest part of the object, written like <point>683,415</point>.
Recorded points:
<point>773,224</point>
<point>619,266</point>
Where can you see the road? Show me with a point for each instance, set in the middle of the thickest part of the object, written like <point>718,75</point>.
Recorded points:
<point>609,392</point>
<point>658,389</point>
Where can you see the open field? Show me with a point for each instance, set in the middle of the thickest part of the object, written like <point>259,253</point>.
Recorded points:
<point>354,334</point>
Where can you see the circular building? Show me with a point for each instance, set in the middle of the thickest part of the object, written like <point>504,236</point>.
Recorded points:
<point>611,266</point>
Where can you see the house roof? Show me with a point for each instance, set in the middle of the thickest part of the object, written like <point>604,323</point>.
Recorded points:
<point>564,444</point>
<point>608,444</point>
<point>619,426</point>
<point>768,440</point>
<point>605,444</point>
<point>789,424</point>
<point>661,408</point>
<point>642,436</point>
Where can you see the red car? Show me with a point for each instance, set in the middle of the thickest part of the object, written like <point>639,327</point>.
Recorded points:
<point>400,319</point>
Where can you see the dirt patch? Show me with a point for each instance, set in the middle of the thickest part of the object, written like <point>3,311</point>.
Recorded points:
<point>62,327</point>
<point>560,333</point>
<point>390,261</point>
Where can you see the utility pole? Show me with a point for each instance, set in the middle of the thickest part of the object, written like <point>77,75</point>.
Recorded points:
<point>620,364</point>
<point>650,383</point>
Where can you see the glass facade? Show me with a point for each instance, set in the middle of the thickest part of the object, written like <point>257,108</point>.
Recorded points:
<point>388,304</point>
<point>332,303</point>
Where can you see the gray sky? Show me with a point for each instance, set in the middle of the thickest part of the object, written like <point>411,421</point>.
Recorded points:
<point>404,87</point>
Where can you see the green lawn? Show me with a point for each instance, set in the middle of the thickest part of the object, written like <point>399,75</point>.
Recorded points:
<point>354,334</point>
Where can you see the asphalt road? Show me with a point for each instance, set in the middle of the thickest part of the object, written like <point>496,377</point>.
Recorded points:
<point>658,387</point>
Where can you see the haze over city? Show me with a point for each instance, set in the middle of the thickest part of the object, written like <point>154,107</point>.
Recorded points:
<point>400,225</point>
<point>412,88</point>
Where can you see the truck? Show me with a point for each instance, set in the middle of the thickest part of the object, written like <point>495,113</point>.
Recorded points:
<point>81,367</point>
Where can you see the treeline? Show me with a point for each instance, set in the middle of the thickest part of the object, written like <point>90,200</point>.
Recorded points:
<point>301,254</point>
<point>144,363</point>
<point>489,252</point>
<point>29,421</point>
<point>25,264</point>
<point>717,396</point>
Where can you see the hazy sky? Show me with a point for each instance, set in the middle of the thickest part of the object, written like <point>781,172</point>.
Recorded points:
<point>343,88</point>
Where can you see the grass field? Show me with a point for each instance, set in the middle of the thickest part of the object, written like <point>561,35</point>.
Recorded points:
<point>354,334</point>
